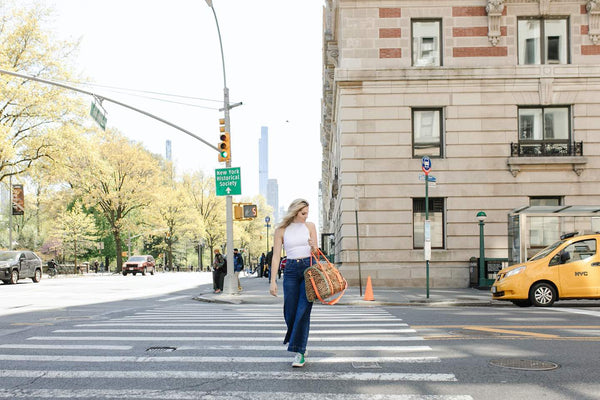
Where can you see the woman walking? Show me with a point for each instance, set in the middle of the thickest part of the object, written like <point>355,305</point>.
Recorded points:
<point>299,238</point>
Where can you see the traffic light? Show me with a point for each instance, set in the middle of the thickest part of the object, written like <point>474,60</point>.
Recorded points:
<point>224,142</point>
<point>250,211</point>
<point>238,213</point>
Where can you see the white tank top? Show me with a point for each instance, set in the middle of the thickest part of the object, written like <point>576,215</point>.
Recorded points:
<point>295,240</point>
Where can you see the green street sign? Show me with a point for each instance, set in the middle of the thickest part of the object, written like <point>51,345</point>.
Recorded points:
<point>228,181</point>
<point>98,115</point>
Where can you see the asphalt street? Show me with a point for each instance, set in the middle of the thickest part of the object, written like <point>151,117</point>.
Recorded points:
<point>177,340</point>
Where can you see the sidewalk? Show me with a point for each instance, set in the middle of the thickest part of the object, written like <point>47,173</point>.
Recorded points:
<point>256,291</point>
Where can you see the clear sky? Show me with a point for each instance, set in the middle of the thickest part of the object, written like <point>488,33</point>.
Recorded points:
<point>273,54</point>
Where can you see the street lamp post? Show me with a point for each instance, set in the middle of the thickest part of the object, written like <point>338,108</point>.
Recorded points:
<point>229,278</point>
<point>481,216</point>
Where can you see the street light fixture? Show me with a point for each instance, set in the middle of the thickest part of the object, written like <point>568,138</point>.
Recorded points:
<point>481,216</point>
<point>229,278</point>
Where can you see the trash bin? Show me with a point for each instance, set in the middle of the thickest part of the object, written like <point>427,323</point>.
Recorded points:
<point>473,272</point>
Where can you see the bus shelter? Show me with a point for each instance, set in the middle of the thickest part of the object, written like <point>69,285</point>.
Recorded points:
<point>532,228</point>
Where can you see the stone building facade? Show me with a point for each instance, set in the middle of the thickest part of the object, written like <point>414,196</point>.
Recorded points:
<point>502,95</point>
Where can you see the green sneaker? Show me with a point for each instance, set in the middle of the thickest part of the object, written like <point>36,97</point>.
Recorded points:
<point>298,360</point>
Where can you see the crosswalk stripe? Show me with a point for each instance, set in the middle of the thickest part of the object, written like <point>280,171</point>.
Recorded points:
<point>244,375</point>
<point>162,394</point>
<point>388,349</point>
<point>236,324</point>
<point>275,339</point>
<point>211,359</point>
<point>174,298</point>
<point>238,331</point>
<point>64,347</point>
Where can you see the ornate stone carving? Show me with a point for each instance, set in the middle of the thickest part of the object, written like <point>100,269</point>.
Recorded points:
<point>332,53</point>
<point>494,9</point>
<point>593,9</point>
<point>544,7</point>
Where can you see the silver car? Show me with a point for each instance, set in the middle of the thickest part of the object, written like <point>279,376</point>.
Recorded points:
<point>15,265</point>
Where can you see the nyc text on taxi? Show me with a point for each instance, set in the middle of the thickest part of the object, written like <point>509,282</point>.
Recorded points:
<point>567,269</point>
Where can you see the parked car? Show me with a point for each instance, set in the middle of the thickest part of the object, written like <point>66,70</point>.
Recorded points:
<point>15,265</point>
<point>142,264</point>
<point>567,269</point>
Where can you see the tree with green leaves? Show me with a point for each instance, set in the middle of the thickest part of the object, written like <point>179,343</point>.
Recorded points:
<point>124,179</point>
<point>33,116</point>
<point>76,230</point>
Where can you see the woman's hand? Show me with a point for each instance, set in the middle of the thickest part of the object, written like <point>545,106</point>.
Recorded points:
<point>273,288</point>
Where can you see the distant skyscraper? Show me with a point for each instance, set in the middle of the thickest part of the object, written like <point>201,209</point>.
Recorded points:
<point>263,162</point>
<point>273,197</point>
<point>168,151</point>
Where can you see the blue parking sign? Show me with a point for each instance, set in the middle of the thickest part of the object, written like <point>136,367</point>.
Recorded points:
<point>426,164</point>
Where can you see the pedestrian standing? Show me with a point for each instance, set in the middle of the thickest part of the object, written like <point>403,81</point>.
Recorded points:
<point>238,265</point>
<point>268,260</point>
<point>299,239</point>
<point>219,266</point>
<point>262,262</point>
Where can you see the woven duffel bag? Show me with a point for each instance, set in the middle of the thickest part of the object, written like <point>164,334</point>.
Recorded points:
<point>323,281</point>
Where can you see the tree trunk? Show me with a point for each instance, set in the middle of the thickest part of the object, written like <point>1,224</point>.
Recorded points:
<point>119,249</point>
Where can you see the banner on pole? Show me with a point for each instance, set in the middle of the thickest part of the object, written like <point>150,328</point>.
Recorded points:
<point>18,200</point>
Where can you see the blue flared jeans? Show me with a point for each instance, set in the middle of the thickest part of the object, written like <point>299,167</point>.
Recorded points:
<point>296,307</point>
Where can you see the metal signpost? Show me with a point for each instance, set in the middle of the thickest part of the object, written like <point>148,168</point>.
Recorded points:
<point>426,167</point>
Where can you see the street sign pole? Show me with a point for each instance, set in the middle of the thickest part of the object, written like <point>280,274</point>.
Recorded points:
<point>426,167</point>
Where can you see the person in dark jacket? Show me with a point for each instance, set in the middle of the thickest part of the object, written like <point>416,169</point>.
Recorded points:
<point>238,266</point>
<point>219,271</point>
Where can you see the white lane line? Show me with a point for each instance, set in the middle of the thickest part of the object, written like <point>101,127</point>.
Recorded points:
<point>162,394</point>
<point>176,298</point>
<point>247,319</point>
<point>576,311</point>
<point>210,359</point>
<point>237,331</point>
<point>249,375</point>
<point>387,349</point>
<point>64,347</point>
<point>275,339</point>
<point>236,324</point>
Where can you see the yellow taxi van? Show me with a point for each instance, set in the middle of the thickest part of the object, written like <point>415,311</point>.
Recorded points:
<point>567,269</point>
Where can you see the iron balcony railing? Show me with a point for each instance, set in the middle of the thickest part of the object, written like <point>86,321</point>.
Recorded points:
<point>546,149</point>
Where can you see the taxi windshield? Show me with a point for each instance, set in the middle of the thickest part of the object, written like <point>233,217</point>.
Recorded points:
<point>546,251</point>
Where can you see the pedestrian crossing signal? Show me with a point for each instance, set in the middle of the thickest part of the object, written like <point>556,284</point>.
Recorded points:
<point>250,211</point>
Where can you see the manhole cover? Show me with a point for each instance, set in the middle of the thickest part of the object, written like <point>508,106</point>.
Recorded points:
<point>161,348</point>
<point>362,365</point>
<point>528,365</point>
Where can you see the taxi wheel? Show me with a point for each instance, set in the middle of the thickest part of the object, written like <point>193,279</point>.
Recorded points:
<point>542,295</point>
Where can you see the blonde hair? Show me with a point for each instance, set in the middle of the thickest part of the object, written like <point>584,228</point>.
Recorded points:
<point>292,211</point>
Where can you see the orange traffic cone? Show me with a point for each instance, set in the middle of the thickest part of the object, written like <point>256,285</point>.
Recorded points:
<point>369,291</point>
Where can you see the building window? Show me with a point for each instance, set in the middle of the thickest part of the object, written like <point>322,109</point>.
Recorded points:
<point>544,230</point>
<point>543,41</point>
<point>544,131</point>
<point>436,216</point>
<point>427,132</point>
<point>550,201</point>
<point>426,40</point>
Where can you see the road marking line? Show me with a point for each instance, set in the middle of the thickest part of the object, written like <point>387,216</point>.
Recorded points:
<point>240,375</point>
<point>511,332</point>
<point>239,331</point>
<point>210,359</point>
<point>390,349</point>
<point>576,311</point>
<point>64,346</point>
<point>176,298</point>
<point>236,324</point>
<point>276,339</point>
<point>161,394</point>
